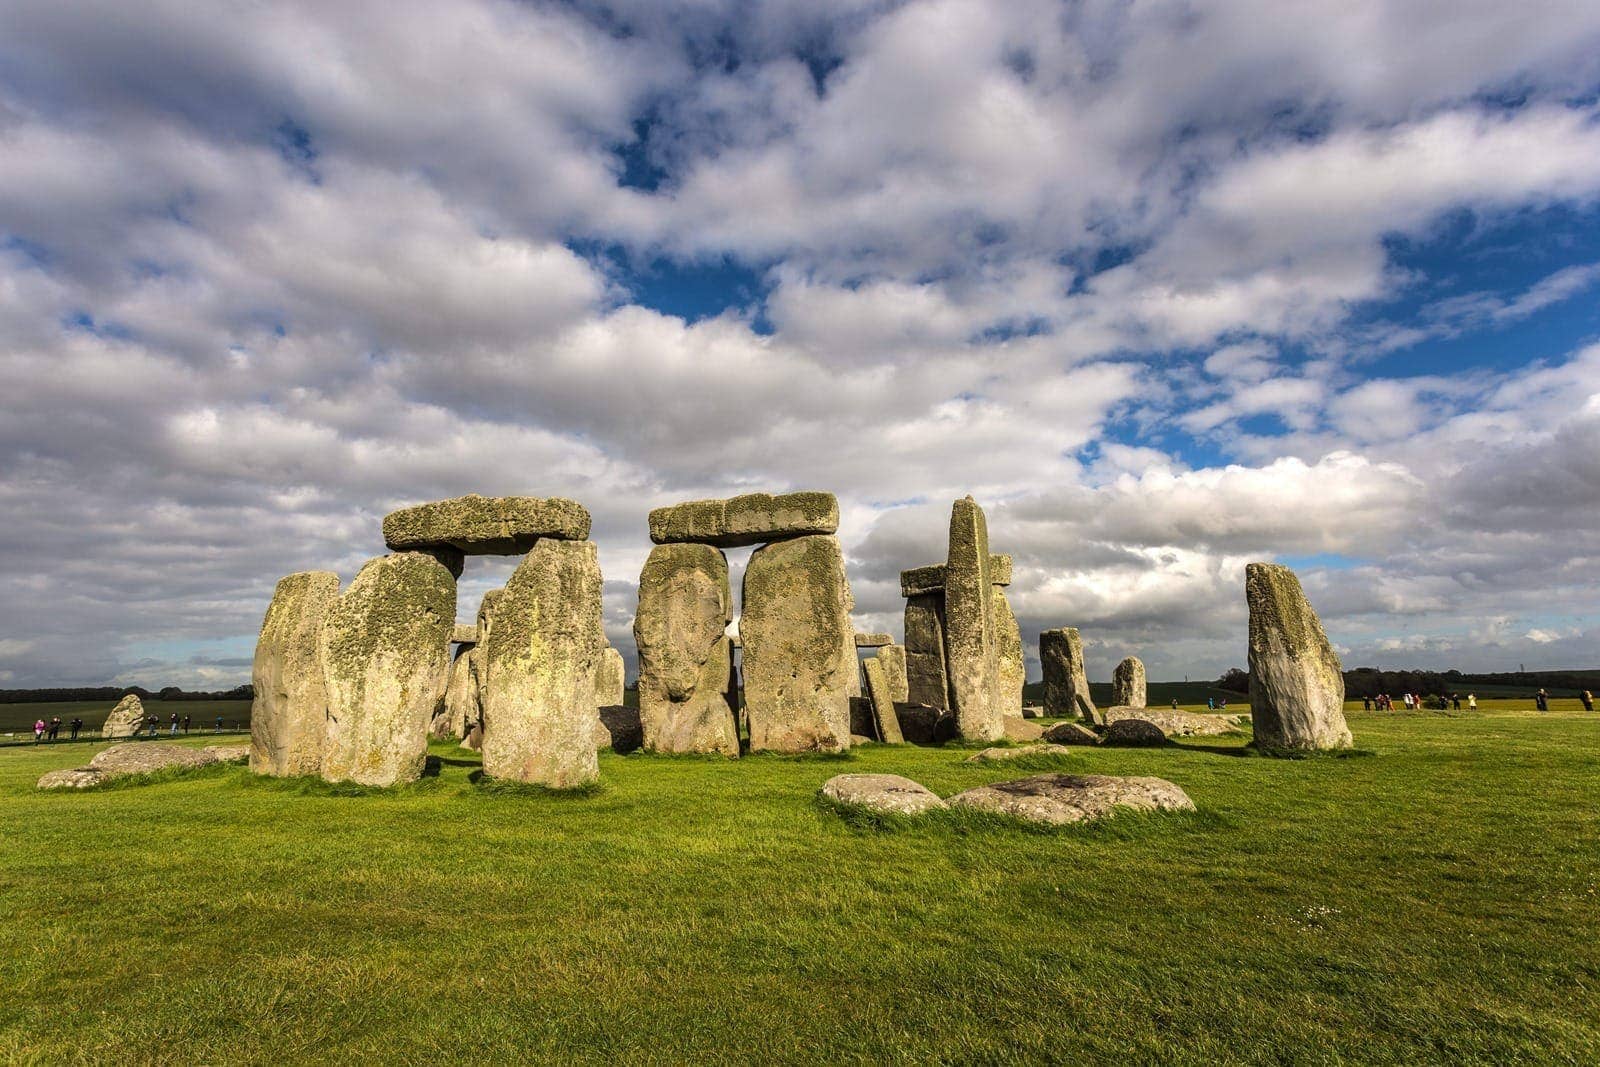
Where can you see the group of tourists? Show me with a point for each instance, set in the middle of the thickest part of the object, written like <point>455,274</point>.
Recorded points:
<point>49,731</point>
<point>1418,702</point>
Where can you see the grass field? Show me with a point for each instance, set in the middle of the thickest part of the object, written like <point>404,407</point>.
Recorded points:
<point>1436,900</point>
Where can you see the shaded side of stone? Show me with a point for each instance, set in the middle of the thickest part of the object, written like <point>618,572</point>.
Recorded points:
<point>1066,683</point>
<point>927,680</point>
<point>893,658</point>
<point>883,713</point>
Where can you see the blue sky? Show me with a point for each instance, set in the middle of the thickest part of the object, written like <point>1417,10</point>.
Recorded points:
<point>1167,287</point>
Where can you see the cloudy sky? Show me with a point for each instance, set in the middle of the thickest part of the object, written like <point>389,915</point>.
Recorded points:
<point>1168,286</point>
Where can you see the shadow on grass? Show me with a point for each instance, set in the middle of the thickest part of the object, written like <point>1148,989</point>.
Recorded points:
<point>964,822</point>
<point>501,787</point>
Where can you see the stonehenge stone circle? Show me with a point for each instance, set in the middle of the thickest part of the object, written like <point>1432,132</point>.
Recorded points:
<point>610,678</point>
<point>540,712</point>
<point>800,660</point>
<point>1059,799</point>
<point>384,650</point>
<point>1066,684</point>
<point>752,519</point>
<point>1011,670</point>
<point>927,680</point>
<point>883,713</point>
<point>1128,684</point>
<point>486,525</point>
<point>893,658</point>
<point>289,715</point>
<point>685,655</point>
<point>1296,683</point>
<point>125,720</point>
<point>970,643</point>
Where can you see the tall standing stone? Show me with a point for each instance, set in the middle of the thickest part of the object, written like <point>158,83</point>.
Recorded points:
<point>893,658</point>
<point>460,712</point>
<point>1128,688</point>
<point>1066,683</point>
<point>289,715</point>
<point>799,646</point>
<point>969,637</point>
<point>540,716</point>
<point>384,647</point>
<point>927,680</point>
<point>1296,681</point>
<point>1011,672</point>
<point>685,655</point>
<point>125,720</point>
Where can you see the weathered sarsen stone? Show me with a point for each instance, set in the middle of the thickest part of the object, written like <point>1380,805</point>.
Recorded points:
<point>971,653</point>
<point>889,793</point>
<point>883,713</point>
<point>610,678</point>
<point>460,710</point>
<point>1128,684</point>
<point>125,720</point>
<point>927,679</point>
<point>799,646</point>
<point>1068,798</point>
<point>540,712</point>
<point>384,649</point>
<point>893,658</point>
<point>1066,684</point>
<point>685,655</point>
<point>486,525</point>
<point>930,578</point>
<point>752,519</point>
<point>289,715</point>
<point>1296,682</point>
<point>1011,671</point>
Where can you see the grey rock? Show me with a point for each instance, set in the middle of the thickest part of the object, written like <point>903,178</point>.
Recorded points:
<point>465,633</point>
<point>971,650</point>
<point>1296,682</point>
<point>1177,723</point>
<point>917,581</point>
<point>1070,733</point>
<point>685,657</point>
<point>1134,733</point>
<point>1002,755</point>
<point>610,678</point>
<point>289,714</point>
<point>125,720</point>
<point>1066,684</point>
<point>1060,799</point>
<point>893,658</point>
<point>883,713</point>
<point>864,640</point>
<point>619,728</point>
<point>486,525</point>
<point>1019,729</point>
<point>74,778</point>
<point>1010,670</point>
<point>888,793</point>
<point>751,519</point>
<point>1128,683</point>
<point>927,678</point>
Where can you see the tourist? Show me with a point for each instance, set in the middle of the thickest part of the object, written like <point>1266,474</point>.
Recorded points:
<point>1472,702</point>
<point>1541,701</point>
<point>174,730</point>
<point>152,726</point>
<point>1588,700</point>
<point>1366,703</point>
<point>1406,698</point>
<point>186,724</point>
<point>38,731</point>
<point>219,724</point>
<point>1211,703</point>
<point>1455,701</point>
<point>55,727</point>
<point>77,724</point>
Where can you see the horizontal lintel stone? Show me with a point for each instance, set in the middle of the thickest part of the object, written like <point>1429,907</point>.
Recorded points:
<point>751,519</point>
<point>486,525</point>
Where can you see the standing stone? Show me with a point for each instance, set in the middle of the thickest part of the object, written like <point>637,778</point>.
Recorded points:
<point>1011,674</point>
<point>1296,682</point>
<point>685,655</point>
<point>540,715</point>
<point>610,678</point>
<point>893,658</point>
<point>384,649</point>
<point>799,646</point>
<point>927,679</point>
<point>127,718</point>
<point>1066,684</point>
<point>460,711</point>
<point>289,715</point>
<point>478,669</point>
<point>969,636</point>
<point>883,713</point>
<point>1128,684</point>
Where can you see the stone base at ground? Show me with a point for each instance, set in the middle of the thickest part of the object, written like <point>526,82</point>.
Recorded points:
<point>1002,755</point>
<point>1060,799</point>
<point>881,792</point>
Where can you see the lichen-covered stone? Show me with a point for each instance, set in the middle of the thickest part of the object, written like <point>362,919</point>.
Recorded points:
<point>1133,733</point>
<point>865,640</point>
<point>1010,670</point>
<point>384,651</point>
<point>610,678</point>
<point>883,714</point>
<point>1176,723</point>
<point>1296,681</point>
<point>125,720</point>
<point>460,710</point>
<point>289,714</point>
<point>539,716</point>
<point>486,525</point>
<point>1058,799</point>
<point>1070,733</point>
<point>799,646</point>
<point>72,778</point>
<point>751,519</point>
<point>893,658</point>
<point>917,581</point>
<point>889,793</point>
<point>685,655</point>
<point>927,679</point>
<point>971,649</point>
<point>1019,729</point>
<point>465,633</point>
<point>1066,683</point>
<point>1128,683</point>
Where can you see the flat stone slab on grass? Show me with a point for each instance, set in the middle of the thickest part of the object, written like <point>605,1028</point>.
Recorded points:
<point>1133,733</point>
<point>751,519</point>
<point>486,525</point>
<point>1178,723</point>
<point>888,793</point>
<point>1020,729</point>
<point>1062,799</point>
<point>1001,755</point>
<point>1070,733</point>
<point>75,778</point>
<point>141,757</point>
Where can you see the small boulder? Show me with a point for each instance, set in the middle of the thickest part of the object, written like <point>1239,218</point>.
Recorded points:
<point>125,720</point>
<point>1071,733</point>
<point>75,778</point>
<point>1018,729</point>
<point>1001,755</point>
<point>881,792</point>
<point>1134,733</point>
<point>1060,799</point>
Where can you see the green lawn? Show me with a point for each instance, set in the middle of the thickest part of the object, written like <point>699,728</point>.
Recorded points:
<point>1436,900</point>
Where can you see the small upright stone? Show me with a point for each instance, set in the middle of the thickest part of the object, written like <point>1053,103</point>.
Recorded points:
<point>893,658</point>
<point>1296,681</point>
<point>486,525</point>
<point>927,678</point>
<point>970,644</point>
<point>1011,672</point>
<point>610,678</point>
<point>751,519</point>
<point>1066,684</point>
<point>126,719</point>
<point>460,710</point>
<point>1128,684</point>
<point>384,652</point>
<point>799,646</point>
<point>539,718</point>
<point>289,714</point>
<point>685,654</point>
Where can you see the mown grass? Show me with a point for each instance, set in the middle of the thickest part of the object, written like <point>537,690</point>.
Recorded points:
<point>1437,901</point>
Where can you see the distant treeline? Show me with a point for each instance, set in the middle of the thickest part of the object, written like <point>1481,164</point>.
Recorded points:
<point>107,692</point>
<point>1369,681</point>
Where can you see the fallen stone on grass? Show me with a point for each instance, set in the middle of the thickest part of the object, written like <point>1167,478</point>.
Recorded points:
<point>1060,799</point>
<point>141,758</point>
<point>888,793</point>
<point>1133,733</point>
<point>1020,729</point>
<point>226,753</point>
<point>1001,755</point>
<point>75,778</point>
<point>1070,733</point>
<point>1178,723</point>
